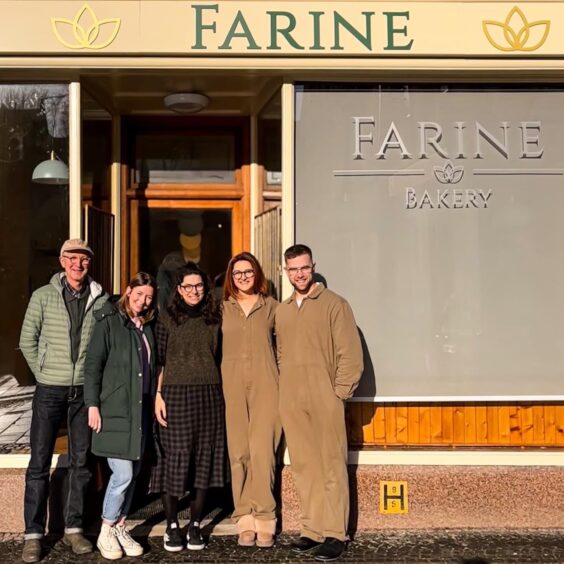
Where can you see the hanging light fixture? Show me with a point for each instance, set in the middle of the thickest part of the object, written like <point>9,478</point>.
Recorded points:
<point>186,102</point>
<point>51,171</point>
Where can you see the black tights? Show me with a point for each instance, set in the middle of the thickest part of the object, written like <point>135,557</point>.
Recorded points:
<point>197,504</point>
<point>170,506</point>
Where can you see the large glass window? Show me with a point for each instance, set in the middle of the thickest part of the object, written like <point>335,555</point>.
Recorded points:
<point>96,153</point>
<point>437,212</point>
<point>34,216</point>
<point>270,151</point>
<point>191,157</point>
<point>267,222</point>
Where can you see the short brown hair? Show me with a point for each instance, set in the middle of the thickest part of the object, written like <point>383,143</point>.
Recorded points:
<point>260,285</point>
<point>140,279</point>
<point>297,251</point>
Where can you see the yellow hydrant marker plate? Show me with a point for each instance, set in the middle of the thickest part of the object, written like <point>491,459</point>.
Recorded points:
<point>393,497</point>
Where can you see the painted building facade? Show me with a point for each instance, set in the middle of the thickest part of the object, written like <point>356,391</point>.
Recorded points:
<point>415,145</point>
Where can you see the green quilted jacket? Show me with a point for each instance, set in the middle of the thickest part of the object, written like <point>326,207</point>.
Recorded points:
<point>45,337</point>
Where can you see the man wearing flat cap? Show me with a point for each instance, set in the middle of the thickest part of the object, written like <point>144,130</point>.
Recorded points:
<point>55,334</point>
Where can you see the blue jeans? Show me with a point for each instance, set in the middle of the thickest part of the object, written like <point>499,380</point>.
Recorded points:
<point>121,488</point>
<point>50,405</point>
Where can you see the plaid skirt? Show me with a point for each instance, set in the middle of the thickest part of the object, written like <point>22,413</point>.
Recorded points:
<point>193,447</point>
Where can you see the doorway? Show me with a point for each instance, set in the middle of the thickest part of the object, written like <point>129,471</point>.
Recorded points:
<point>187,196</point>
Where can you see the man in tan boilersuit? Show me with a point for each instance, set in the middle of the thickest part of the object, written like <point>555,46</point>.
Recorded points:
<point>320,361</point>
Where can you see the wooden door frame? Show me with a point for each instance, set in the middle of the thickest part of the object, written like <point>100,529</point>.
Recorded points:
<point>235,206</point>
<point>235,197</point>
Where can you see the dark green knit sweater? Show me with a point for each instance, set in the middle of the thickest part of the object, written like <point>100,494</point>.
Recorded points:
<point>189,352</point>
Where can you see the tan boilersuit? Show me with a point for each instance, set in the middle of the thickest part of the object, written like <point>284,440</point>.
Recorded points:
<point>250,387</point>
<point>320,361</point>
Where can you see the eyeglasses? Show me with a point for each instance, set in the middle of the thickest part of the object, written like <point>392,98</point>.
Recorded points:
<point>292,271</point>
<point>238,274</point>
<point>193,287</point>
<point>77,259</point>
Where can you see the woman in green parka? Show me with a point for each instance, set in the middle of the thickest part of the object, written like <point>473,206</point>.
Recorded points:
<point>119,385</point>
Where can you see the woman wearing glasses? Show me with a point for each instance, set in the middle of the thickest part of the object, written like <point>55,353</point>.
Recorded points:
<point>250,384</point>
<point>189,405</point>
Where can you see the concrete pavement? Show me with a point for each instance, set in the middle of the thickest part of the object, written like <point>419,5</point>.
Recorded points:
<point>407,546</point>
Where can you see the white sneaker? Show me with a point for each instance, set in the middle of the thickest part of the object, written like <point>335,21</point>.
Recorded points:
<point>130,546</point>
<point>108,544</point>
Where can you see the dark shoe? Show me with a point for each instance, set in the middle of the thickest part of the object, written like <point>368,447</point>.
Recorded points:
<point>331,549</point>
<point>173,539</point>
<point>303,545</point>
<point>194,537</point>
<point>78,543</point>
<point>31,550</point>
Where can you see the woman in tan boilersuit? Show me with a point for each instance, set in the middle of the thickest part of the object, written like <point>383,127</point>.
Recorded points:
<point>250,388</point>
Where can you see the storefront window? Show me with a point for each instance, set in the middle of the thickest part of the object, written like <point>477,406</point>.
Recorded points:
<point>96,187</point>
<point>193,157</point>
<point>96,153</point>
<point>270,151</point>
<point>437,212</point>
<point>267,222</point>
<point>172,236</point>
<point>34,215</point>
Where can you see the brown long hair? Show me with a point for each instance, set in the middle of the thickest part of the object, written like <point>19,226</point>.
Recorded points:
<point>140,279</point>
<point>260,284</point>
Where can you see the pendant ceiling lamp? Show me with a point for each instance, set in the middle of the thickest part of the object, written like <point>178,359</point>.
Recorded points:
<point>51,171</point>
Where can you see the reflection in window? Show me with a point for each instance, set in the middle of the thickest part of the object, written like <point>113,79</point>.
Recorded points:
<point>170,237</point>
<point>96,153</point>
<point>33,217</point>
<point>186,158</point>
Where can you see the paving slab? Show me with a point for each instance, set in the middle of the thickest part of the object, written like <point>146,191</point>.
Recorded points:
<point>445,546</point>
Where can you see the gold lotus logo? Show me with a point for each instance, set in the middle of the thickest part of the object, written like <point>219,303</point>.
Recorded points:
<point>86,31</point>
<point>516,33</point>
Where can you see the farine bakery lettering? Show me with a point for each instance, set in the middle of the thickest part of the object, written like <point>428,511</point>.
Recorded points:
<point>432,139</point>
<point>461,148</point>
<point>447,199</point>
<point>320,30</point>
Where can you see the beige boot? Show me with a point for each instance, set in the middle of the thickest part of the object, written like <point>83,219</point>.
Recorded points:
<point>246,531</point>
<point>265,532</point>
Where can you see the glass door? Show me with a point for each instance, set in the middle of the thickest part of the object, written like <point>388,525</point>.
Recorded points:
<point>188,194</point>
<point>167,233</point>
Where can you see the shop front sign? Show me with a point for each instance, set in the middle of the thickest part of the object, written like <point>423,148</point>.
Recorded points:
<point>258,29</point>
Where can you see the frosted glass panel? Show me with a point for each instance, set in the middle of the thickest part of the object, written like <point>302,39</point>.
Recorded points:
<point>438,215</point>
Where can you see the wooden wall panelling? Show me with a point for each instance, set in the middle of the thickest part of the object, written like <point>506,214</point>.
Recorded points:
<point>458,424</point>
<point>503,413</point>
<point>559,412</point>
<point>481,423</point>
<point>379,424</point>
<point>550,423</point>
<point>391,426</point>
<point>470,428</point>
<point>462,424</point>
<point>401,423</point>
<point>424,424</point>
<point>413,423</point>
